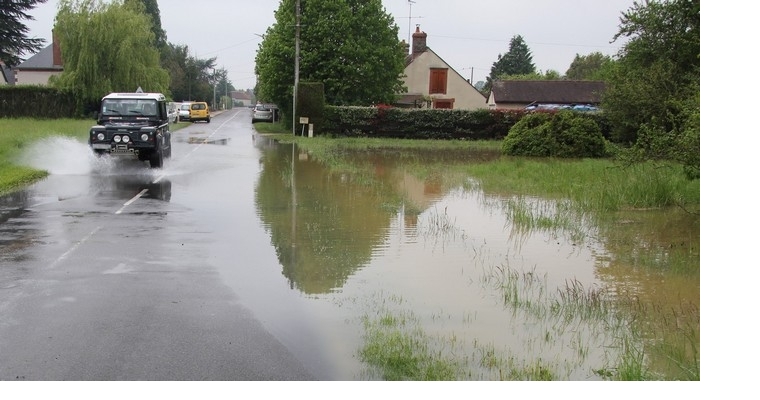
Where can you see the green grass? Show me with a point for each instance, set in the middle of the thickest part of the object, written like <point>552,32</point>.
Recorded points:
<point>16,135</point>
<point>272,128</point>
<point>400,351</point>
<point>592,184</point>
<point>645,342</point>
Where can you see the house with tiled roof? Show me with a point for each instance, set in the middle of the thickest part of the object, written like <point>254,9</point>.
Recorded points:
<point>241,97</point>
<point>38,69</point>
<point>519,94</point>
<point>432,83</point>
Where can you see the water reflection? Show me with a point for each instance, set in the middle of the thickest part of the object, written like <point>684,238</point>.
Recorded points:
<point>126,186</point>
<point>485,268</point>
<point>323,226</point>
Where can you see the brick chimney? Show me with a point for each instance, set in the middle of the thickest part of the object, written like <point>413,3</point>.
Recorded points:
<point>57,60</point>
<point>419,41</point>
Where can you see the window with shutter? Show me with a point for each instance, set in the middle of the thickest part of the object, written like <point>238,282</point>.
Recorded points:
<point>443,103</point>
<point>438,77</point>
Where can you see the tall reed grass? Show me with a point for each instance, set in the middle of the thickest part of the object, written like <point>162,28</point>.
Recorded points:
<point>594,185</point>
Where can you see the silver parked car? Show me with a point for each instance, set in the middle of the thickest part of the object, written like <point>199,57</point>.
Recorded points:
<point>264,113</point>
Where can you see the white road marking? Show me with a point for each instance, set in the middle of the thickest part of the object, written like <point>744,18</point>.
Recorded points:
<point>132,200</point>
<point>74,247</point>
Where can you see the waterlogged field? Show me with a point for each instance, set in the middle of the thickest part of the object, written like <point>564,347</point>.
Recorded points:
<point>449,278</point>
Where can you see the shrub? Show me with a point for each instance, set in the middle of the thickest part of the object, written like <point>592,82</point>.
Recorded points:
<point>563,134</point>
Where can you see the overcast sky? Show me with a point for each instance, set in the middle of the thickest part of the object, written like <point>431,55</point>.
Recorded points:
<point>468,35</point>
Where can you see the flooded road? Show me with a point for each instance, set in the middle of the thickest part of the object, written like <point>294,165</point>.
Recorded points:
<point>320,259</point>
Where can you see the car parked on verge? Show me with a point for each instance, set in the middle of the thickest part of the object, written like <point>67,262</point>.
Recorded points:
<point>184,111</point>
<point>199,111</point>
<point>264,113</point>
<point>173,111</point>
<point>133,125</point>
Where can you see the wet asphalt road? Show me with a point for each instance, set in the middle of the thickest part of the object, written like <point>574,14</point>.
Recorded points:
<point>117,273</point>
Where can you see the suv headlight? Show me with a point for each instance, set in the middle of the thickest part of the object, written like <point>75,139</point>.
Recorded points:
<point>117,138</point>
<point>101,136</point>
<point>144,137</point>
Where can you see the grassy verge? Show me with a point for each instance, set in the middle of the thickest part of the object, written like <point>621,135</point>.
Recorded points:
<point>272,128</point>
<point>592,184</point>
<point>16,135</point>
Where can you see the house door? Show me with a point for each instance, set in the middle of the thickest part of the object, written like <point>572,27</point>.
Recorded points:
<point>443,103</point>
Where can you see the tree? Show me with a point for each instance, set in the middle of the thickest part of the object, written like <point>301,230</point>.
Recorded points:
<point>13,40</point>
<point>175,59</point>
<point>517,61</point>
<point>351,46</point>
<point>588,67</point>
<point>107,47</point>
<point>151,8</point>
<point>652,99</point>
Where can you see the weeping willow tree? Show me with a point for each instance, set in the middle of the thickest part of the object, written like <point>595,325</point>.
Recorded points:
<point>107,47</point>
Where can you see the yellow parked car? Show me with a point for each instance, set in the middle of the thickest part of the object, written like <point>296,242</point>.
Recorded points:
<point>199,111</point>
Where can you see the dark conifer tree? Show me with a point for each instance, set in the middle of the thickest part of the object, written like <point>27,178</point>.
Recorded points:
<point>14,42</point>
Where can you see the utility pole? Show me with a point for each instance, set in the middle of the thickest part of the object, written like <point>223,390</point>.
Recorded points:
<point>298,50</point>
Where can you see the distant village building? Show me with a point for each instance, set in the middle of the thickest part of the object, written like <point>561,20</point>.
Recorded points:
<point>432,83</point>
<point>241,97</point>
<point>38,69</point>
<point>514,95</point>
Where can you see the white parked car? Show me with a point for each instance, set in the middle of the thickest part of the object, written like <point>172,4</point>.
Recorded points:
<point>173,111</point>
<point>184,111</point>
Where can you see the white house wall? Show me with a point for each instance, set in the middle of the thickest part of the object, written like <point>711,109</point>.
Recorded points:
<point>417,81</point>
<point>33,77</point>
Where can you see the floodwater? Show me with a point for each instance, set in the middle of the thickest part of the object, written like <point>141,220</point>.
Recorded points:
<point>465,275</point>
<point>500,285</point>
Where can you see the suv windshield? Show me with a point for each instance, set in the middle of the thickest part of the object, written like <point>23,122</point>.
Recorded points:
<point>129,107</point>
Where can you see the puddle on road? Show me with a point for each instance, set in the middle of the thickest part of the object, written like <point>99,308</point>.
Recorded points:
<point>497,295</point>
<point>205,140</point>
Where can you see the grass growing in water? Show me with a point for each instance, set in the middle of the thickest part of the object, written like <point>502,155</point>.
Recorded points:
<point>652,341</point>
<point>643,342</point>
<point>399,350</point>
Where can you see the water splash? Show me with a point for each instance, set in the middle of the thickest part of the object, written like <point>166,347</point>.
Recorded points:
<point>62,156</point>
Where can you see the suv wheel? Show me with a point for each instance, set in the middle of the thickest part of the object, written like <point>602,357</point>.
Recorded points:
<point>157,159</point>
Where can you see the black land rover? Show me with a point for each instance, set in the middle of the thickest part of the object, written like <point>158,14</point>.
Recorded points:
<point>133,124</point>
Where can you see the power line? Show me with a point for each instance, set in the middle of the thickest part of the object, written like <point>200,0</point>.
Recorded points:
<point>230,47</point>
<point>527,42</point>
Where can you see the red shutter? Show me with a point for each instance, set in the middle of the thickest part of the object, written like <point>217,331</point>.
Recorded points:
<point>438,78</point>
